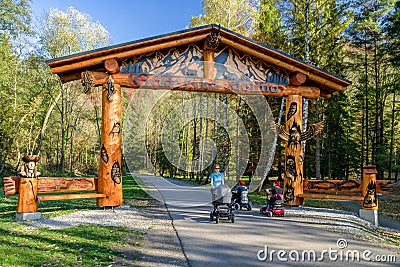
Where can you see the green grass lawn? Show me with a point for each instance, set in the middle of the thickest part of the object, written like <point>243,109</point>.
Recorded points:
<point>87,245</point>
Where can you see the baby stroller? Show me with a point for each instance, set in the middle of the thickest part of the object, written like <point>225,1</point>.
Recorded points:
<point>222,198</point>
<point>240,199</point>
<point>274,206</point>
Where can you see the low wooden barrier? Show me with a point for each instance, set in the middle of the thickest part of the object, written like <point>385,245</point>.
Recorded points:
<point>32,190</point>
<point>364,190</point>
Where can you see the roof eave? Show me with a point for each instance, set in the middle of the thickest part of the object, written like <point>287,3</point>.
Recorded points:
<point>69,67</point>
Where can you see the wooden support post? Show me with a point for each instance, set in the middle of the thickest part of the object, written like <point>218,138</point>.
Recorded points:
<point>110,167</point>
<point>208,63</point>
<point>369,193</point>
<point>293,183</point>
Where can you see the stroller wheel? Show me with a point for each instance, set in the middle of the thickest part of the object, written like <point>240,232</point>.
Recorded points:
<point>236,206</point>
<point>269,214</point>
<point>233,218</point>
<point>248,206</point>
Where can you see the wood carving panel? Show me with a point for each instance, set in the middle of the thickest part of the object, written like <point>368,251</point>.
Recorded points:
<point>54,184</point>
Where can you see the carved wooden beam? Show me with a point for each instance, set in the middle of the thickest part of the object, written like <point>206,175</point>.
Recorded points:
<point>146,81</point>
<point>88,62</point>
<point>283,64</point>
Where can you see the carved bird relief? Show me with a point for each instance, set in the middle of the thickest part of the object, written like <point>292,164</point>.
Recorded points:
<point>294,137</point>
<point>116,129</point>
<point>292,110</point>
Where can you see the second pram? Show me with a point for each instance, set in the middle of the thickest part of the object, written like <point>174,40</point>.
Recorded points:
<point>240,199</point>
<point>222,208</point>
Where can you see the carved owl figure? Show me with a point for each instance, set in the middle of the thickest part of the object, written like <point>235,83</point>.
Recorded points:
<point>292,110</point>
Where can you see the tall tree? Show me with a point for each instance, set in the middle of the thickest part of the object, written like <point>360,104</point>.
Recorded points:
<point>315,29</point>
<point>15,16</point>
<point>269,28</point>
<point>237,15</point>
<point>392,30</point>
<point>368,36</point>
<point>65,33</point>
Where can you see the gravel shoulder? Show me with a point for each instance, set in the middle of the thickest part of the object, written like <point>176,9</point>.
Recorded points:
<point>160,246</point>
<point>155,245</point>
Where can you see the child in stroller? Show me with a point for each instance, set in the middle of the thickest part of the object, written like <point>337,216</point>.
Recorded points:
<point>275,202</point>
<point>239,197</point>
<point>222,208</point>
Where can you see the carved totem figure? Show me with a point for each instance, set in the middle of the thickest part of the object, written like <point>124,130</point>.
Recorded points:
<point>370,198</point>
<point>29,168</point>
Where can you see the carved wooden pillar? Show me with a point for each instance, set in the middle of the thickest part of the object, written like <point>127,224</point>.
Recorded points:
<point>208,55</point>
<point>110,167</point>
<point>27,195</point>
<point>27,207</point>
<point>370,201</point>
<point>293,183</point>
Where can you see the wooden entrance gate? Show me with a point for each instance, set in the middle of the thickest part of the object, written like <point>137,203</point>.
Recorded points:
<point>136,64</point>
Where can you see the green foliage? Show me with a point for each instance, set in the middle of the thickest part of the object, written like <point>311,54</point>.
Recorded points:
<point>358,40</point>
<point>85,245</point>
<point>392,28</point>
<point>15,16</point>
<point>237,15</point>
<point>65,33</point>
<point>269,29</point>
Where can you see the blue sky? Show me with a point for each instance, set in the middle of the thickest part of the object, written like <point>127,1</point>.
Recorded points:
<point>129,20</point>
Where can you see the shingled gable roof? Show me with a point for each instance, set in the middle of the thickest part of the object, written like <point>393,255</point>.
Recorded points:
<point>70,67</point>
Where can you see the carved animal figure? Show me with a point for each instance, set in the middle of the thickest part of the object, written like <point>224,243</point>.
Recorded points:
<point>116,173</point>
<point>212,40</point>
<point>370,200</point>
<point>292,110</point>
<point>104,154</point>
<point>116,129</point>
<point>291,167</point>
<point>288,195</point>
<point>294,136</point>
<point>110,88</point>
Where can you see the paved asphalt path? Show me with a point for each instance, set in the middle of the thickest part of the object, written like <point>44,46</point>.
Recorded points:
<point>244,242</point>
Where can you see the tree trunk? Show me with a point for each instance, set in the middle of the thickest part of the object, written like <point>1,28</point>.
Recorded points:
<point>44,125</point>
<point>62,129</point>
<point>317,147</point>
<point>392,135</point>
<point>366,103</point>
